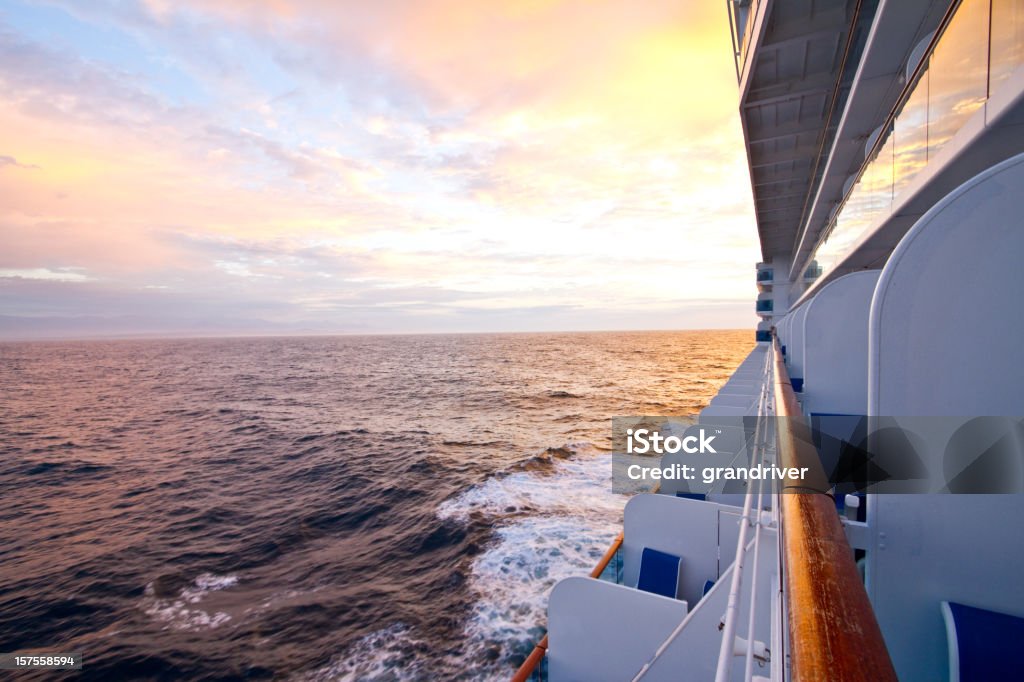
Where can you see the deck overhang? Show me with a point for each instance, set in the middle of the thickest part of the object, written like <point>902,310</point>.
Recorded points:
<point>899,28</point>
<point>787,87</point>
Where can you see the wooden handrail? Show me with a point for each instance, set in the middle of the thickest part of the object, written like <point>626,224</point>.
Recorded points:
<point>608,556</point>
<point>833,633</point>
<point>539,651</point>
<point>532,661</point>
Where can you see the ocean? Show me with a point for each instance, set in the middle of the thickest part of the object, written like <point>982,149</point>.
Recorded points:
<point>318,508</point>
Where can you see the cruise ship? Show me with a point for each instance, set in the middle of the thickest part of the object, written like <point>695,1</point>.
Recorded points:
<point>885,141</point>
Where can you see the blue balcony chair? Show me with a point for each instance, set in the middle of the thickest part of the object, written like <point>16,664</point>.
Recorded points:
<point>983,644</point>
<point>659,573</point>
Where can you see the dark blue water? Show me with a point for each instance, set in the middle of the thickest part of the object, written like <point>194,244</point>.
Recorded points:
<point>388,508</point>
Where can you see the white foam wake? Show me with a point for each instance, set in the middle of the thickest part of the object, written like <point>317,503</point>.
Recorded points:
<point>182,612</point>
<point>385,655</point>
<point>549,524</point>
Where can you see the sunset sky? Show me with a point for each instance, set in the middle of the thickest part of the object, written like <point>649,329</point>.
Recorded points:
<point>234,166</point>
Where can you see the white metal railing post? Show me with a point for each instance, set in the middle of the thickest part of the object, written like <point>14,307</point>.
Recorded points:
<point>727,649</point>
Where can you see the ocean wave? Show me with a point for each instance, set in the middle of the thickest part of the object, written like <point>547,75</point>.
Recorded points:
<point>578,483</point>
<point>548,525</point>
<point>387,655</point>
<point>359,507</point>
<point>182,612</point>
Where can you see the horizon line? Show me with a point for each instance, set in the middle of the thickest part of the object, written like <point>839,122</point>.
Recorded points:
<point>186,336</point>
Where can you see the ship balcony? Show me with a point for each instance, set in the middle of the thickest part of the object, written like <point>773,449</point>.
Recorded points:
<point>765,278</point>
<point>742,14</point>
<point>812,272</point>
<point>764,307</point>
<point>695,543</point>
<point>963,83</point>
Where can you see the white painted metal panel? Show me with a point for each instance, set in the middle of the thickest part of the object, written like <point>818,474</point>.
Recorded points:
<point>946,325</point>
<point>948,321</point>
<point>795,348</point>
<point>601,631</point>
<point>693,655</point>
<point>735,399</point>
<point>679,526</point>
<point>836,346</point>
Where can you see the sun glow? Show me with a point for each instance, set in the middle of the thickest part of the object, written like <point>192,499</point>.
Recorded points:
<point>311,160</point>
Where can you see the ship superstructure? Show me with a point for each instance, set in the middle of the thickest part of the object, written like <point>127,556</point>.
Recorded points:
<point>885,141</point>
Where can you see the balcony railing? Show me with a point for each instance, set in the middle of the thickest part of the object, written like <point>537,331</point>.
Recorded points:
<point>979,44</point>
<point>833,633</point>
<point>765,276</point>
<point>764,306</point>
<point>741,20</point>
<point>608,568</point>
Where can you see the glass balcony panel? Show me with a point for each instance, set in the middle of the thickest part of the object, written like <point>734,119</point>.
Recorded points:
<point>878,186</point>
<point>1007,45</point>
<point>958,84</point>
<point>857,210</point>
<point>829,252</point>
<point>911,136</point>
<point>953,85</point>
<point>748,26</point>
<point>852,221</point>
<point>613,572</point>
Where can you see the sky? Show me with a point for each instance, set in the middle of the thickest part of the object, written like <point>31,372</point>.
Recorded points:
<point>326,166</point>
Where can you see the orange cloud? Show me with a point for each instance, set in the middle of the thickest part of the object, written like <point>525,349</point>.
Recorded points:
<point>512,150</point>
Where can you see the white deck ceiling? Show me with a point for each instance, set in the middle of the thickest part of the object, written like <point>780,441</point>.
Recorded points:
<point>784,109</point>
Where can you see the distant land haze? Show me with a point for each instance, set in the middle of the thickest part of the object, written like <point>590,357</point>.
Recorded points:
<point>714,315</point>
<point>222,167</point>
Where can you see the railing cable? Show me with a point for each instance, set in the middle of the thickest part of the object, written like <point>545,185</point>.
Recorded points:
<point>737,567</point>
